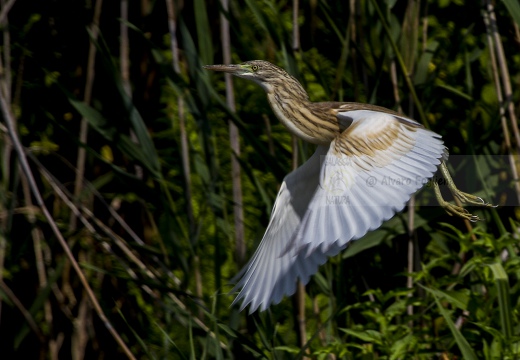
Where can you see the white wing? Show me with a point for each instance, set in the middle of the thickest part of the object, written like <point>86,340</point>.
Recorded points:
<point>363,178</point>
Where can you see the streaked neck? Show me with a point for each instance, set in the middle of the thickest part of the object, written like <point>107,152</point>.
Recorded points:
<point>291,105</point>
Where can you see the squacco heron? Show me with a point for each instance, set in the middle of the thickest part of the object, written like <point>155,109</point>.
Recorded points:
<point>368,163</point>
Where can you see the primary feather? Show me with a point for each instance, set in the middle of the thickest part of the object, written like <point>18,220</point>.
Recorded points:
<point>338,195</point>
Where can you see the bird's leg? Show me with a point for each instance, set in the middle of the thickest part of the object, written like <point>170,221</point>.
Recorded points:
<point>451,209</point>
<point>462,196</point>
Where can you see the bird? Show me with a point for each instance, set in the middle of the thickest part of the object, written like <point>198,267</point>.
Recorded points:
<point>368,162</point>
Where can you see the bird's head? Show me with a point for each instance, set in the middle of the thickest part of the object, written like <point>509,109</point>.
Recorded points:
<point>262,72</point>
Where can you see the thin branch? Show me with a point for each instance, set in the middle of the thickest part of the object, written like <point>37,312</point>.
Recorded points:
<point>504,73</point>
<point>270,142</point>
<point>26,314</point>
<point>84,215</point>
<point>300,289</point>
<point>10,122</point>
<point>498,89</point>
<point>411,252</point>
<point>37,236</point>
<point>6,48</point>
<point>78,335</point>
<point>124,50</point>
<point>5,70</point>
<point>87,95</point>
<point>234,139</point>
<point>124,55</point>
<point>395,86</point>
<point>411,202</point>
<point>5,10</point>
<point>353,5</point>
<point>185,150</point>
<point>295,26</point>
<point>402,65</point>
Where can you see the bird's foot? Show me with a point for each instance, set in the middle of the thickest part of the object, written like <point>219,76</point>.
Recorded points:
<point>470,199</point>
<point>454,210</point>
<point>459,195</point>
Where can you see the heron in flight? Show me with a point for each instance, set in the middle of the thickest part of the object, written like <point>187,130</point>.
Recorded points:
<point>369,162</point>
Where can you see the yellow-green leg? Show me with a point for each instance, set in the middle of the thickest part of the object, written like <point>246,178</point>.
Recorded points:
<point>462,196</point>
<point>456,210</point>
<point>451,209</point>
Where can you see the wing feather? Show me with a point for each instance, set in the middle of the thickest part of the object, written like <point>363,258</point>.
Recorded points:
<point>363,178</point>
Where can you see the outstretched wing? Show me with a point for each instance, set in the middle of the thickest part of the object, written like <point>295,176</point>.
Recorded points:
<point>363,178</point>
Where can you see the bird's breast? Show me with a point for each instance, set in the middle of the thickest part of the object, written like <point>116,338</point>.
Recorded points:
<point>302,121</point>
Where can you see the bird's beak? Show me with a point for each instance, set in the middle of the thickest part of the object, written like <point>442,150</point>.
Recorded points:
<point>232,69</point>
<point>224,68</point>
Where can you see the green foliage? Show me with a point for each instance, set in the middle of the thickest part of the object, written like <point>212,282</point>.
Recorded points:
<point>152,224</point>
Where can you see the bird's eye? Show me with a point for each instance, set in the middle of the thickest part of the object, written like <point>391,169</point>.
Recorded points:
<point>254,67</point>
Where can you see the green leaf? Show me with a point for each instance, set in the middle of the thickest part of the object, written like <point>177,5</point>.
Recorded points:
<point>203,31</point>
<point>396,309</point>
<point>289,349</point>
<point>370,336</point>
<point>137,123</point>
<point>168,339</point>
<point>264,21</point>
<point>400,347</point>
<point>423,65</point>
<point>513,6</point>
<point>122,141</point>
<point>464,347</point>
<point>370,240</point>
<point>455,91</point>
<point>38,303</point>
<point>459,299</point>
<point>504,303</point>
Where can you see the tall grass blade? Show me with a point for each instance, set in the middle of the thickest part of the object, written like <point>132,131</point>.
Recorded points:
<point>504,302</point>
<point>122,141</point>
<point>464,347</point>
<point>513,6</point>
<point>136,121</point>
<point>203,31</point>
<point>402,65</point>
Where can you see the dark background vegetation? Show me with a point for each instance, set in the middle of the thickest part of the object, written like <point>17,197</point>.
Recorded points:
<point>130,252</point>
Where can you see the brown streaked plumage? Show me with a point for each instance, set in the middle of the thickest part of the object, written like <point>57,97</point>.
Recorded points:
<point>368,163</point>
